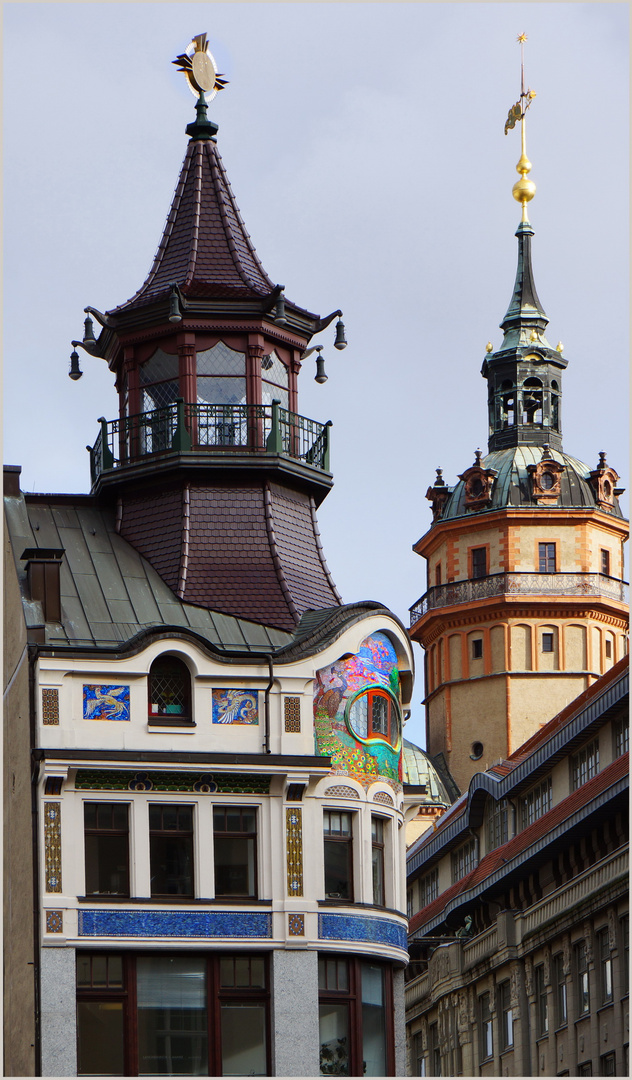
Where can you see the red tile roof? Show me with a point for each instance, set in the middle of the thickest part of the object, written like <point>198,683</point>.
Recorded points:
<point>524,839</point>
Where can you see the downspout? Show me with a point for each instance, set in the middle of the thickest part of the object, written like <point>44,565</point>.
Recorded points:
<point>36,756</point>
<point>266,707</point>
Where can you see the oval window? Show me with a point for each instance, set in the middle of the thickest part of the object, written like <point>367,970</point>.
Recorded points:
<point>546,480</point>
<point>374,714</point>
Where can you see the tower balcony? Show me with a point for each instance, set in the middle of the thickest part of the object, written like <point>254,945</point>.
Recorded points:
<point>210,435</point>
<point>518,585</point>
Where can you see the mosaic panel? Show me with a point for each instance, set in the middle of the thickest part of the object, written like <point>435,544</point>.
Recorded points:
<point>50,706</point>
<point>359,928</point>
<point>189,782</point>
<point>296,925</point>
<point>342,791</point>
<point>375,665</point>
<point>54,922</point>
<point>294,847</point>
<point>52,846</point>
<point>180,924</point>
<point>105,702</point>
<point>292,713</point>
<point>235,706</point>
<point>383,797</point>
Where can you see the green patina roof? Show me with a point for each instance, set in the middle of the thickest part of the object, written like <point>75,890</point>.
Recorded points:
<point>419,769</point>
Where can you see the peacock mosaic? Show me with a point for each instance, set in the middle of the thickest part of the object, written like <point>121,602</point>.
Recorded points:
<point>105,702</point>
<point>235,707</point>
<point>357,713</point>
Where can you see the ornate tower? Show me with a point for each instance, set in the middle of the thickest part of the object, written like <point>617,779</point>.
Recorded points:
<point>525,602</point>
<point>215,475</point>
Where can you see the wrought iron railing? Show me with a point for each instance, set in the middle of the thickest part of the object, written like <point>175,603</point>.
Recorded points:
<point>521,584</point>
<point>217,429</point>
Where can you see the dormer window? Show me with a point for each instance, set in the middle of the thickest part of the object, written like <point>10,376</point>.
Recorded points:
<point>169,692</point>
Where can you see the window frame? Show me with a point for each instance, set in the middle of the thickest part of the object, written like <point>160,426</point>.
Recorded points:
<point>162,717</point>
<point>379,827</point>
<point>463,860</point>
<point>605,562</point>
<point>505,1010</point>
<point>250,836</point>
<point>477,648</point>
<point>536,802</point>
<point>351,996</point>
<point>485,1028</point>
<point>548,641</point>
<point>582,980</point>
<point>584,764</point>
<point>496,822</point>
<point>479,563</point>
<point>561,992</point>
<point>186,836</point>
<point>338,839</point>
<point>547,557</point>
<point>621,735</point>
<point>606,967</point>
<point>101,832</point>
<point>393,736</point>
<point>541,1002</point>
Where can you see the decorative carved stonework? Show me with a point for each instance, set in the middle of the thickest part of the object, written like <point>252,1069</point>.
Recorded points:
<point>545,478</point>
<point>566,964</point>
<point>438,495</point>
<point>528,975</point>
<point>439,966</point>
<point>547,967</point>
<point>612,928</point>
<point>588,938</point>
<point>424,1033</point>
<point>514,986</point>
<point>479,483</point>
<point>604,481</point>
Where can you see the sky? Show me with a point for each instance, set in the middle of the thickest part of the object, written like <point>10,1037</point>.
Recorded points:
<point>364,144</point>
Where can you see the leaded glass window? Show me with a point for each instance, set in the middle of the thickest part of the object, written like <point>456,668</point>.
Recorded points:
<point>221,376</point>
<point>158,379</point>
<point>275,380</point>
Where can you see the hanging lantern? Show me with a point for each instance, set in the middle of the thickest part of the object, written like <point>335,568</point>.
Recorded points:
<point>320,376</point>
<point>341,341</point>
<point>75,371</point>
<point>88,333</point>
<point>175,315</point>
<point>279,311</point>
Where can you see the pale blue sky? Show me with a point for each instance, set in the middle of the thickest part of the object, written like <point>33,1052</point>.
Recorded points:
<point>365,146</point>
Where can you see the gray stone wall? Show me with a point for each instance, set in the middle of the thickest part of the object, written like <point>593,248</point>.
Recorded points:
<point>295,1049</point>
<point>399,1012</point>
<point>59,1024</point>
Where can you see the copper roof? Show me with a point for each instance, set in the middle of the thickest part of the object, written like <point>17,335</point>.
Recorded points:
<point>205,247</point>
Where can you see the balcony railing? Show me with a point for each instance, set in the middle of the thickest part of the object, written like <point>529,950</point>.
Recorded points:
<point>216,429</point>
<point>518,584</point>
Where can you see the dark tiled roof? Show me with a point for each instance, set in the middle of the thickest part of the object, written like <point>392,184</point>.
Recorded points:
<point>523,840</point>
<point>205,247</point>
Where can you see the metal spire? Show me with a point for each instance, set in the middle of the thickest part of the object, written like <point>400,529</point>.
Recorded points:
<point>524,189</point>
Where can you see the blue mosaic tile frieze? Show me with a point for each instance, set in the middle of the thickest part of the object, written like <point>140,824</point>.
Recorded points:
<point>175,924</point>
<point>362,928</point>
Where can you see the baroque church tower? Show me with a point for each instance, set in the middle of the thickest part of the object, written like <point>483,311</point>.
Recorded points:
<point>525,602</point>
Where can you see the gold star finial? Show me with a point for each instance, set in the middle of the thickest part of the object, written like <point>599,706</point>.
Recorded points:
<point>521,38</point>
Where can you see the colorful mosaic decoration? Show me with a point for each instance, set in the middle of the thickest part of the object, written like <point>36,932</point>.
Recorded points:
<point>373,667</point>
<point>294,847</point>
<point>50,706</point>
<point>296,925</point>
<point>362,928</point>
<point>52,846</point>
<point>342,791</point>
<point>235,706</point>
<point>54,922</point>
<point>292,713</point>
<point>175,924</point>
<point>105,702</point>
<point>188,782</point>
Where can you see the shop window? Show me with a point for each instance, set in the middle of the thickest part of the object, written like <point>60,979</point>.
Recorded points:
<point>547,561</point>
<point>506,1016</point>
<point>463,860</point>
<point>169,691</point>
<point>485,1031</point>
<point>561,1008</point>
<point>374,714</point>
<point>541,1002</point>
<point>338,840</point>
<point>605,966</point>
<point>377,859</point>
<point>605,562</point>
<point>355,1017</point>
<point>479,562</point>
<point>536,802</point>
<point>106,839</point>
<point>171,849</point>
<point>585,764</point>
<point>172,1014</point>
<point>434,1050</point>
<point>581,976</point>
<point>235,850</point>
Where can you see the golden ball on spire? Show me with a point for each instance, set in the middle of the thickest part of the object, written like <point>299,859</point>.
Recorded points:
<point>489,347</point>
<point>523,190</point>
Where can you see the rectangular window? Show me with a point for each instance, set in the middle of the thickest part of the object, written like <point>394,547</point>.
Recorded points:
<point>171,849</point>
<point>477,648</point>
<point>355,1017</point>
<point>605,562</point>
<point>338,855</point>
<point>434,1050</point>
<point>419,1060</point>
<point>377,860</point>
<point>605,966</point>
<point>541,1002</point>
<point>621,729</point>
<point>546,558</point>
<point>479,562</point>
<point>608,1065</point>
<point>438,574</point>
<point>585,764</point>
<point>548,641</point>
<point>235,847</point>
<point>410,910</point>
<point>428,888</point>
<point>536,802</point>
<point>106,838</point>
<point>506,1016</point>
<point>561,1014</point>
<point>497,823</point>
<point>172,1014</point>
<point>581,974</point>
<point>463,860</point>
<point>608,648</point>
<point>585,1069</point>
<point>485,1032</point>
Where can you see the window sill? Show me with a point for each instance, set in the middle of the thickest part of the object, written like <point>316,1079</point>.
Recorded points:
<point>195,900</point>
<point>170,721</point>
<point>364,907</point>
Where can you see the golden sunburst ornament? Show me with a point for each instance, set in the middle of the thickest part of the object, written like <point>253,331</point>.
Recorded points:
<point>198,64</point>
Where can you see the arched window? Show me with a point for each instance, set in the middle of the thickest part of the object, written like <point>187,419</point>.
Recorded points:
<point>169,692</point>
<point>374,714</point>
<point>532,401</point>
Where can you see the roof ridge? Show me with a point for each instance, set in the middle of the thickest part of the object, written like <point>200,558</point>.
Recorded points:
<point>217,167</point>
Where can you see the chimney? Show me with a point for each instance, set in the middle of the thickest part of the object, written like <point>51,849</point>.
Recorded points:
<point>42,568</point>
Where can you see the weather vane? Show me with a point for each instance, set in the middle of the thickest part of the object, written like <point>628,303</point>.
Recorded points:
<point>198,64</point>
<point>524,189</point>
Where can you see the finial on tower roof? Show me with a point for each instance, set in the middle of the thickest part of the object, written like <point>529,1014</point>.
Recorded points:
<point>523,189</point>
<point>198,64</point>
